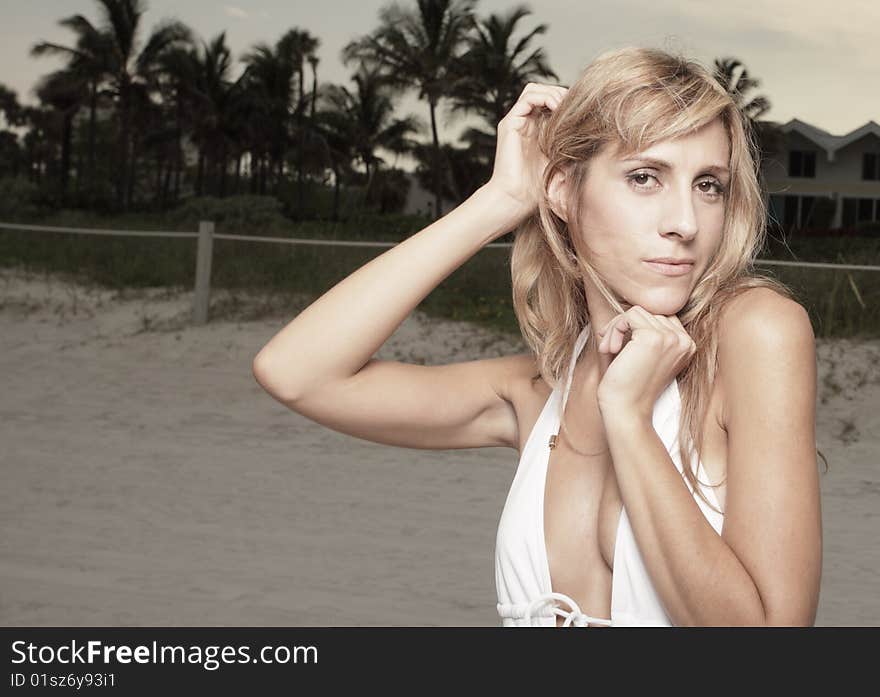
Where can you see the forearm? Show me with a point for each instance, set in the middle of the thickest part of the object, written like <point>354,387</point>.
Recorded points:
<point>336,335</point>
<point>698,577</point>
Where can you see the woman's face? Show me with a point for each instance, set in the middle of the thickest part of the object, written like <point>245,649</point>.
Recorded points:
<point>636,210</point>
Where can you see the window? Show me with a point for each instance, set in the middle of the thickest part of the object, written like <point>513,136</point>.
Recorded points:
<point>793,212</point>
<point>871,166</point>
<point>860,210</point>
<point>807,203</point>
<point>802,163</point>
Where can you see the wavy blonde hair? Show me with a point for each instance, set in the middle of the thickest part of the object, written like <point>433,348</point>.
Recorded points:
<point>631,98</point>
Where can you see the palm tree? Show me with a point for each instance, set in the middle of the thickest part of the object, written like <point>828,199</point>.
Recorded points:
<point>269,79</point>
<point>313,63</point>
<point>492,73</point>
<point>737,84</point>
<point>365,119</point>
<point>61,90</point>
<point>418,48</point>
<point>13,115</point>
<point>86,67</point>
<point>175,79</point>
<point>301,47</point>
<point>37,141</point>
<point>10,109</point>
<point>130,67</point>
<point>211,96</point>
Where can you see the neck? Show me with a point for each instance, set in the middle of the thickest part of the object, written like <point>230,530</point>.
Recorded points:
<point>588,372</point>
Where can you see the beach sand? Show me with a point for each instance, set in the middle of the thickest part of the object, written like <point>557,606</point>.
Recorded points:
<point>149,480</point>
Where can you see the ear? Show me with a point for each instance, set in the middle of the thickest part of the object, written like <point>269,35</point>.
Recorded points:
<point>557,192</point>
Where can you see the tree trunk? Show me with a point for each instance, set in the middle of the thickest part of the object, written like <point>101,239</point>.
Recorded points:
<point>314,91</point>
<point>300,140</point>
<point>279,175</point>
<point>93,108</point>
<point>438,210</point>
<point>124,136</point>
<point>160,167</point>
<point>335,194</point>
<point>166,184</point>
<point>200,172</point>
<point>66,140</point>
<point>131,174</point>
<point>178,154</point>
<point>370,172</point>
<point>223,159</point>
<point>80,159</point>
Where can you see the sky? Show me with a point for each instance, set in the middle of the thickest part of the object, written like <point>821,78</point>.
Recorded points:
<point>816,61</point>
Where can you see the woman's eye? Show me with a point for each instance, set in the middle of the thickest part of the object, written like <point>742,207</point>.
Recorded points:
<point>639,179</point>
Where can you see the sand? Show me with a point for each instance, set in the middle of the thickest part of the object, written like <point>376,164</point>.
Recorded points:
<point>149,480</point>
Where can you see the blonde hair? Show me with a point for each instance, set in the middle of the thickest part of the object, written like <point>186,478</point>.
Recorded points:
<point>632,98</point>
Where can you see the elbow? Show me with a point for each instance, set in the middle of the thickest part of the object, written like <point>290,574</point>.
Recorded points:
<point>263,374</point>
<point>789,619</point>
<point>259,372</point>
<point>790,615</point>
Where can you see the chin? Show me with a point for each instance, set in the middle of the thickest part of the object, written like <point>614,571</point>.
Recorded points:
<point>658,301</point>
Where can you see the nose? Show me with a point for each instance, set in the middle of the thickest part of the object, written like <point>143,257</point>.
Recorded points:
<point>681,218</point>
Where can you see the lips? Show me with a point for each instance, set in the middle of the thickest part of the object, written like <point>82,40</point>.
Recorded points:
<point>668,269</point>
<point>672,260</point>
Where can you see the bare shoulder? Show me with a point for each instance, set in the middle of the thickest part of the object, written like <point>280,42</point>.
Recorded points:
<point>762,333</point>
<point>762,314</point>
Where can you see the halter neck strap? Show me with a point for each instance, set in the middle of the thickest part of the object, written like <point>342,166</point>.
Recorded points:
<point>578,347</point>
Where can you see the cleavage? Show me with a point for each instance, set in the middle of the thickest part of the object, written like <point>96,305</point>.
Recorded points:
<point>575,488</point>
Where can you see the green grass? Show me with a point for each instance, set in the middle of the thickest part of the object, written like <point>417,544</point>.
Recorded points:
<point>840,303</point>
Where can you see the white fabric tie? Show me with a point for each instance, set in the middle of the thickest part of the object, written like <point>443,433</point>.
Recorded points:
<point>575,617</point>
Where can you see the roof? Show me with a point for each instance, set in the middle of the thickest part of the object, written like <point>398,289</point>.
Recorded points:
<point>825,140</point>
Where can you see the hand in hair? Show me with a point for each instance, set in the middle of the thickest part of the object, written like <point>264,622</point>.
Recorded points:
<point>519,164</point>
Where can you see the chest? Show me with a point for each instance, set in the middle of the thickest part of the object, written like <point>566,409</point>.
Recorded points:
<point>582,502</point>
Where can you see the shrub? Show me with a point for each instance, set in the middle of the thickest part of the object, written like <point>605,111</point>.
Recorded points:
<point>21,200</point>
<point>240,215</point>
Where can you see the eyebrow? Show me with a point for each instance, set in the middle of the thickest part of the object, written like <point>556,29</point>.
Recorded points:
<point>663,164</point>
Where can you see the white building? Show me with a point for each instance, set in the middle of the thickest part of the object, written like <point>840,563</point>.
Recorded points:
<point>814,164</point>
<point>419,201</point>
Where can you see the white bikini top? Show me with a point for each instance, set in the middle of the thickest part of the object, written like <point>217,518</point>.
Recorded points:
<point>522,572</point>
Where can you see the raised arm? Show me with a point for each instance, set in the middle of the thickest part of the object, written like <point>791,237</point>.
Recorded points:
<point>320,363</point>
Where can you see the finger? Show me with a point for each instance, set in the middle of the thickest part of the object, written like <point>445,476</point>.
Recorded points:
<point>606,335</point>
<point>676,321</point>
<point>669,333</point>
<point>686,338</point>
<point>616,332</point>
<point>533,89</point>
<point>667,323</point>
<point>604,329</point>
<point>528,103</point>
<point>542,85</point>
<point>636,317</point>
<point>651,319</point>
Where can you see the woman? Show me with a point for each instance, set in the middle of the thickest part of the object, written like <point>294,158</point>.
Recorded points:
<point>635,364</point>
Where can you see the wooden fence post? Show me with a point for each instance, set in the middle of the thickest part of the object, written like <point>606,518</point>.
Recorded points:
<point>203,272</point>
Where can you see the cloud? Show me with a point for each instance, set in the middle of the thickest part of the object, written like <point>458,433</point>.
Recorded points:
<point>235,12</point>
